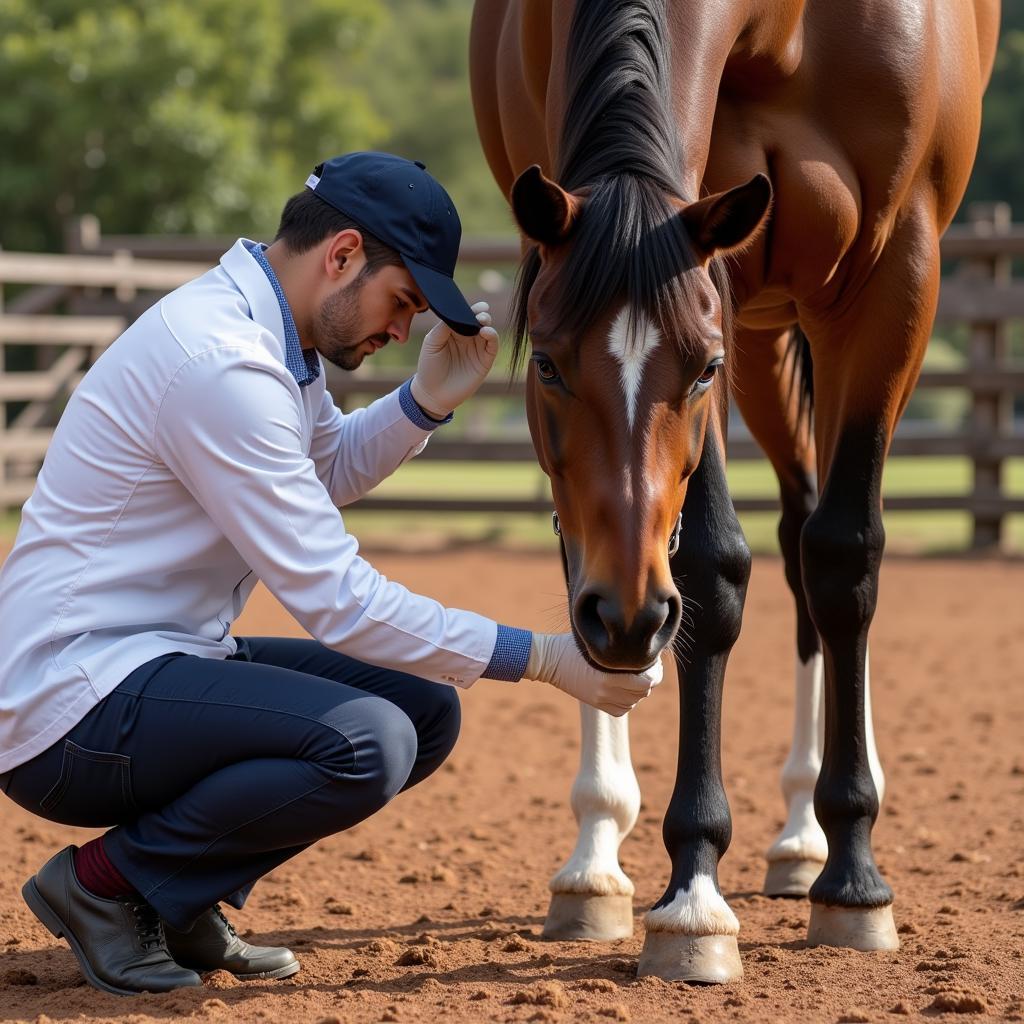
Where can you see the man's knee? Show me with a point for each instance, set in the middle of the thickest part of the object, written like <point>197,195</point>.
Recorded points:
<point>368,743</point>
<point>379,744</point>
<point>438,732</point>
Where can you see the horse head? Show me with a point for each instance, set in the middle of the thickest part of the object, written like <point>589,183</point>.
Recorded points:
<point>626,309</point>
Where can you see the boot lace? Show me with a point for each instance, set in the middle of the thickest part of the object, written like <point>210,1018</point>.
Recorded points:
<point>148,926</point>
<point>230,927</point>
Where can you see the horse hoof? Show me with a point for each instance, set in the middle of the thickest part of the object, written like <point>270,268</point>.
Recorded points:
<point>791,877</point>
<point>705,959</point>
<point>867,928</point>
<point>577,915</point>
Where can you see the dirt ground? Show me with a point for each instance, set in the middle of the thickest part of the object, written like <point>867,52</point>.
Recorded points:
<point>432,910</point>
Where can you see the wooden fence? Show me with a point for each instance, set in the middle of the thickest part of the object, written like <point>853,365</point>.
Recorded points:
<point>103,283</point>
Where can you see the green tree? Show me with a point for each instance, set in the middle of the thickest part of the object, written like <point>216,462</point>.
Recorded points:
<point>997,170</point>
<point>417,77</point>
<point>172,115</point>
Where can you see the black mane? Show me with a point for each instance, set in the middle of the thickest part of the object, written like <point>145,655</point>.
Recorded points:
<point>619,140</point>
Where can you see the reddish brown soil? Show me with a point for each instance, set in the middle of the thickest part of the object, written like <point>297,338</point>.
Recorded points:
<point>432,910</point>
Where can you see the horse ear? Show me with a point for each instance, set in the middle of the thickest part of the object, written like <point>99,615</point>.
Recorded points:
<point>544,211</point>
<point>727,220</point>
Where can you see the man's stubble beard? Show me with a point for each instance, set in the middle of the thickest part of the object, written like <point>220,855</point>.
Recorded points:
<point>336,332</point>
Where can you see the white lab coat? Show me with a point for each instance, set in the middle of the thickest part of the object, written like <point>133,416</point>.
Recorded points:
<point>187,465</point>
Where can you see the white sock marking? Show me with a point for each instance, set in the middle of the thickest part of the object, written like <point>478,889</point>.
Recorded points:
<point>699,909</point>
<point>802,837</point>
<point>605,800</point>
<point>874,764</point>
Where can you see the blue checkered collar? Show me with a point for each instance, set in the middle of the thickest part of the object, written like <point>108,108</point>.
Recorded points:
<point>304,363</point>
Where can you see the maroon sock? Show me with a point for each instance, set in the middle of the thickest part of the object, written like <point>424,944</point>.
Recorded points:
<point>97,873</point>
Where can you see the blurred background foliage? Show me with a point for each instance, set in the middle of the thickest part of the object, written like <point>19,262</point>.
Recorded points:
<point>205,115</point>
<point>173,115</point>
<point>997,170</point>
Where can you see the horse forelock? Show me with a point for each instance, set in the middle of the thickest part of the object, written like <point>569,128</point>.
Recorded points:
<point>630,249</point>
<point>619,141</point>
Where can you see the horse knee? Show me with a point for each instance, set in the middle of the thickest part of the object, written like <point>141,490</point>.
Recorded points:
<point>841,551</point>
<point>716,576</point>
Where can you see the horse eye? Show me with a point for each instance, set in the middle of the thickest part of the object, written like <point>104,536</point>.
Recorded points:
<point>703,382</point>
<point>546,370</point>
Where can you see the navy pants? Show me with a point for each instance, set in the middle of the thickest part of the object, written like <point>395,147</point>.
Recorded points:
<point>214,772</point>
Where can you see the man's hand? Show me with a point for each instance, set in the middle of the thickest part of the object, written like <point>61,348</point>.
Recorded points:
<point>557,660</point>
<point>451,366</point>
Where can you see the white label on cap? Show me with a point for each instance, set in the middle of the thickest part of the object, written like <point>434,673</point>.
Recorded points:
<point>312,181</point>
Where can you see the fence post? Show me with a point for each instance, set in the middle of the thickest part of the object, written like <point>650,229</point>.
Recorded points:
<point>82,234</point>
<point>990,411</point>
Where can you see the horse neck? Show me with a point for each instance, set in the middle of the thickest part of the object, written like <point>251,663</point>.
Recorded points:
<point>706,35</point>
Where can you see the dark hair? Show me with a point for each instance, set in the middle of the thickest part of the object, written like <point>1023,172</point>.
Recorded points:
<point>620,140</point>
<point>307,220</point>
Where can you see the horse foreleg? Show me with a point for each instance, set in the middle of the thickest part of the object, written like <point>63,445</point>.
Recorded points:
<point>775,414</point>
<point>691,931</point>
<point>879,335</point>
<point>591,896</point>
<point>796,858</point>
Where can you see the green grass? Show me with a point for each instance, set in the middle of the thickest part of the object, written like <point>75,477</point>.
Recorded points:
<point>911,532</point>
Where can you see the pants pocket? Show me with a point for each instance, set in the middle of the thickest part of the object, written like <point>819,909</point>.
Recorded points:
<point>94,788</point>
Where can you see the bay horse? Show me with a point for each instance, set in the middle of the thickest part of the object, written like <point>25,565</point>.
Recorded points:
<point>716,196</point>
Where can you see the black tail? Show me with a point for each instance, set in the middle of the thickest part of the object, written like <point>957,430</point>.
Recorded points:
<point>801,376</point>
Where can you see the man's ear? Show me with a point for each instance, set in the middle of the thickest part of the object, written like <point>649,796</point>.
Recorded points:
<point>729,220</point>
<point>544,211</point>
<point>342,249</point>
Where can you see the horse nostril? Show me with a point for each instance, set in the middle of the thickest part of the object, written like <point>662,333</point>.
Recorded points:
<point>596,618</point>
<point>673,606</point>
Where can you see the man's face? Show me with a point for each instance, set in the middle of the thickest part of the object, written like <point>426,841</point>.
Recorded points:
<point>364,315</point>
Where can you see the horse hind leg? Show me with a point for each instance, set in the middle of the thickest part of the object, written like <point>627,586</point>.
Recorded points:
<point>797,856</point>
<point>770,368</point>
<point>591,896</point>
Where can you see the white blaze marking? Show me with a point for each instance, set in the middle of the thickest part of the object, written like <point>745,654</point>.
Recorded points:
<point>605,800</point>
<point>632,357</point>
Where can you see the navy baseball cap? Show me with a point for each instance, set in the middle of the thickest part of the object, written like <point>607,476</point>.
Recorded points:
<point>407,209</point>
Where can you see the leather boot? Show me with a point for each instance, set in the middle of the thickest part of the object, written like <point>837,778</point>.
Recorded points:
<point>119,943</point>
<point>214,945</point>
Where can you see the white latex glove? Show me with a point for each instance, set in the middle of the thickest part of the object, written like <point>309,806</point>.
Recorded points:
<point>452,366</point>
<point>555,659</point>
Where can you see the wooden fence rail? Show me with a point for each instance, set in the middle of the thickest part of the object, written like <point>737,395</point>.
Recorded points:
<point>103,283</point>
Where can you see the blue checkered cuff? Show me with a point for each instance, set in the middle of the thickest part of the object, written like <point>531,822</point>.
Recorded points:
<point>511,653</point>
<point>412,409</point>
